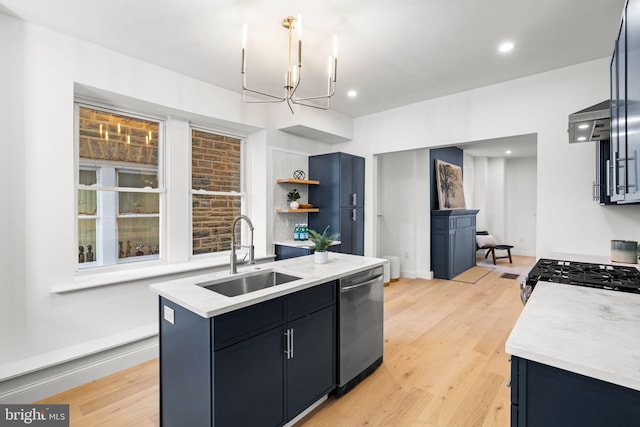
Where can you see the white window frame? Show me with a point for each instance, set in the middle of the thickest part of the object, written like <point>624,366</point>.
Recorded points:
<point>107,211</point>
<point>244,208</point>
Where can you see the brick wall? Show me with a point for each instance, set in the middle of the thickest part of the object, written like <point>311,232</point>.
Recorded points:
<point>215,163</point>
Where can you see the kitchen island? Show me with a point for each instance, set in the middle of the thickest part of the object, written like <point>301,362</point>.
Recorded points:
<point>259,358</point>
<point>576,358</point>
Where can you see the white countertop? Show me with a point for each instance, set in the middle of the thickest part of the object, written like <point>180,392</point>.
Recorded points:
<point>593,332</point>
<point>187,293</point>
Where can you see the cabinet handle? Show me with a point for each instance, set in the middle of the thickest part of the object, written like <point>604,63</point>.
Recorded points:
<point>354,199</point>
<point>353,215</point>
<point>287,350</point>
<point>291,335</point>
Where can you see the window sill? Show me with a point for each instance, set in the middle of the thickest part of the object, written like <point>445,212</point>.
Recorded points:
<point>98,279</point>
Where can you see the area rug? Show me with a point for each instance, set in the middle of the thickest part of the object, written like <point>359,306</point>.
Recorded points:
<point>472,275</point>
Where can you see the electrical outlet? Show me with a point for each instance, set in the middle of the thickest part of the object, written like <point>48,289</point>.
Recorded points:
<point>168,314</point>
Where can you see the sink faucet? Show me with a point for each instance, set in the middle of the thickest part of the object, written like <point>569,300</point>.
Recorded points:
<point>234,269</point>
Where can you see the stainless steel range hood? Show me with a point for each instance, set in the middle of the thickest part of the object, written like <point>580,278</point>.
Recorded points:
<point>591,124</point>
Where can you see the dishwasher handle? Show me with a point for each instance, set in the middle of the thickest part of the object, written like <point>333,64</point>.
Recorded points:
<point>359,285</point>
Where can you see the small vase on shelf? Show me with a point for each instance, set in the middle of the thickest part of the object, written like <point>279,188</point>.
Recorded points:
<point>294,205</point>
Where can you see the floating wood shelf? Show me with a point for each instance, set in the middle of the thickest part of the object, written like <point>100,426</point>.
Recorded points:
<point>297,181</point>
<point>297,210</point>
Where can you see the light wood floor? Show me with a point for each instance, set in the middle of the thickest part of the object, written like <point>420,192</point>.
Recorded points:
<point>444,363</point>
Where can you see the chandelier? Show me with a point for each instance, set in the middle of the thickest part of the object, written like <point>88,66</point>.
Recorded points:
<point>293,73</point>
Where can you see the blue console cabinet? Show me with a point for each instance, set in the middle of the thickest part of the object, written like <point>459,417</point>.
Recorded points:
<point>453,242</point>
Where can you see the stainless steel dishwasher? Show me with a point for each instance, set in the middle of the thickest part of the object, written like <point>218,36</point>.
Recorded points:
<point>360,328</point>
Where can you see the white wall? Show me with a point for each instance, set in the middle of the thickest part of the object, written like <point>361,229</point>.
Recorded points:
<point>567,219</point>
<point>403,182</point>
<point>480,179</point>
<point>495,198</point>
<point>520,204</point>
<point>505,192</point>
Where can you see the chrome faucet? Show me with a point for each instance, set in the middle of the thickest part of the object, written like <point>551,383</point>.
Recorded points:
<point>234,269</point>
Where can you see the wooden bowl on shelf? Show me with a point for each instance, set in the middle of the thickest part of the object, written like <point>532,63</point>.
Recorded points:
<point>305,206</point>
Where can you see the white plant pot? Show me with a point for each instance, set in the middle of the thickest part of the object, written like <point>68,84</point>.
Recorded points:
<point>294,205</point>
<point>321,257</point>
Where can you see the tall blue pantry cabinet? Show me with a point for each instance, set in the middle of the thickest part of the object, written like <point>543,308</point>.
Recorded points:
<point>340,198</point>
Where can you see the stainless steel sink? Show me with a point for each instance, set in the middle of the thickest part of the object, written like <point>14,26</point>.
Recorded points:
<point>239,285</point>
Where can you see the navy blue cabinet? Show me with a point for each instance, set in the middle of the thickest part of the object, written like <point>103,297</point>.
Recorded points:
<point>453,242</point>
<point>624,164</point>
<point>286,252</point>
<point>259,365</point>
<point>545,396</point>
<point>340,198</point>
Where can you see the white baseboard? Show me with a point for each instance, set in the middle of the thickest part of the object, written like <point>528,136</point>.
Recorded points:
<point>425,274</point>
<point>55,379</point>
<point>409,274</point>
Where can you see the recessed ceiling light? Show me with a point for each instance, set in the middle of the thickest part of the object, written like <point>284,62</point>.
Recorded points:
<point>583,126</point>
<point>507,152</point>
<point>582,138</point>
<point>505,47</point>
<point>352,93</point>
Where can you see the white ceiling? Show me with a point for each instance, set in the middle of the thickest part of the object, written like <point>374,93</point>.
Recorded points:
<point>392,52</point>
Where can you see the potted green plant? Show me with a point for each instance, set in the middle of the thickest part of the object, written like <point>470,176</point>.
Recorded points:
<point>292,198</point>
<point>320,244</point>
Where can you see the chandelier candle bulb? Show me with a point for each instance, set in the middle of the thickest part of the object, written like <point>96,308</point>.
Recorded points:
<point>335,69</point>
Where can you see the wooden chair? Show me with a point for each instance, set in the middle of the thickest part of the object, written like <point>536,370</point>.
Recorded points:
<point>487,242</point>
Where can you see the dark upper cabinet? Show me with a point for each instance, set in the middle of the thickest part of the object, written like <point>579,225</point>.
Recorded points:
<point>340,198</point>
<point>633,100</point>
<point>624,165</point>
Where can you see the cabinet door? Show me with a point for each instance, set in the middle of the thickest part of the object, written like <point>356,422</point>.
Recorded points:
<point>310,372</point>
<point>633,100</point>
<point>248,378</point>
<point>351,180</point>
<point>618,146</point>
<point>358,180</point>
<point>352,231</point>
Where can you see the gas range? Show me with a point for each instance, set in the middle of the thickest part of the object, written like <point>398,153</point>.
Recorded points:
<point>601,276</point>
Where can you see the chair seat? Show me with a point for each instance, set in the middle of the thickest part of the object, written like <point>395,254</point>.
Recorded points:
<point>492,251</point>
<point>504,247</point>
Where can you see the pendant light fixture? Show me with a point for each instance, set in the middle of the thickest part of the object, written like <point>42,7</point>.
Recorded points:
<point>293,74</point>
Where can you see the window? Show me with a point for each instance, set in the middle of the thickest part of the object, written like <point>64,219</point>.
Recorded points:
<point>119,187</point>
<point>216,190</point>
